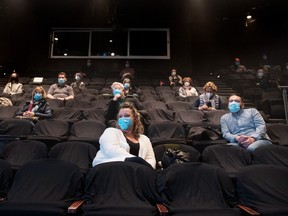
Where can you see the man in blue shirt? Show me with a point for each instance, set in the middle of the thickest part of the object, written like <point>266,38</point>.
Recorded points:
<point>243,127</point>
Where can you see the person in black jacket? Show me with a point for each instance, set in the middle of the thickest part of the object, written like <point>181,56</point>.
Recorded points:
<point>118,98</point>
<point>37,108</point>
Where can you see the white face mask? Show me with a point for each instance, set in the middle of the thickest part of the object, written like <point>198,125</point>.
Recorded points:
<point>173,73</point>
<point>186,84</point>
<point>208,94</point>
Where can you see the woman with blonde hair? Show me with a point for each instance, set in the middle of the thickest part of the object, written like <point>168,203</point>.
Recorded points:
<point>37,108</point>
<point>126,142</point>
<point>209,100</point>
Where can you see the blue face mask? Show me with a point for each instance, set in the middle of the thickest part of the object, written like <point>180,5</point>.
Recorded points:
<point>127,85</point>
<point>117,91</point>
<point>61,81</point>
<point>234,107</point>
<point>125,123</point>
<point>37,96</point>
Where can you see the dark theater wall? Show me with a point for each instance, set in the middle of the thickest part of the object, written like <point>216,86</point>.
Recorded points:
<point>205,35</point>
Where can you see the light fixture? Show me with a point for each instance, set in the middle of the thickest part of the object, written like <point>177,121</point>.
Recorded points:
<point>249,16</point>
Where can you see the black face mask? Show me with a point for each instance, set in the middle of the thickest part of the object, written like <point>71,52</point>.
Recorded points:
<point>13,79</point>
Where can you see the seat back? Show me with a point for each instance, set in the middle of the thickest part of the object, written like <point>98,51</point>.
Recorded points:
<point>19,152</point>
<point>166,132</point>
<point>271,154</point>
<point>6,176</point>
<point>47,180</point>
<point>264,188</point>
<point>277,132</point>
<point>209,187</point>
<point>121,188</point>
<point>230,158</point>
<point>79,153</point>
<point>16,128</point>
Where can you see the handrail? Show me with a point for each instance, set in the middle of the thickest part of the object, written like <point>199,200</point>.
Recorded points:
<point>285,100</point>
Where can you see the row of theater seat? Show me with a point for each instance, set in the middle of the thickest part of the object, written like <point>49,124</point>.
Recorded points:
<point>57,187</point>
<point>203,131</point>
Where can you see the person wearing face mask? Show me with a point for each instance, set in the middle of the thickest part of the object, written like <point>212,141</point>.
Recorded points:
<point>187,90</point>
<point>37,108</point>
<point>61,90</point>
<point>244,127</point>
<point>13,86</point>
<point>175,79</point>
<point>129,89</point>
<point>237,66</point>
<point>119,98</point>
<point>209,100</point>
<point>126,142</point>
<point>78,84</point>
<point>263,81</point>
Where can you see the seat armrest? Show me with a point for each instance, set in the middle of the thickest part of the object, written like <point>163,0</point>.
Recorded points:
<point>163,211</point>
<point>247,210</point>
<point>75,206</point>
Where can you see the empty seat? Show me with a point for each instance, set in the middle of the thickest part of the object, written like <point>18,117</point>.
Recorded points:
<point>197,189</point>
<point>94,114</point>
<point>120,188</point>
<point>69,114</point>
<point>157,115</point>
<point>19,152</point>
<point>263,188</point>
<point>50,131</point>
<point>87,131</point>
<point>179,105</point>
<point>166,132</point>
<point>271,154</point>
<point>43,187</point>
<point>79,153</point>
<point>7,112</point>
<point>277,132</point>
<point>16,128</point>
<point>154,104</point>
<point>230,158</point>
<point>6,176</point>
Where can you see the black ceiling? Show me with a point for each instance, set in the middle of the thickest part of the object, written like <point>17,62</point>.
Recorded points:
<point>140,13</point>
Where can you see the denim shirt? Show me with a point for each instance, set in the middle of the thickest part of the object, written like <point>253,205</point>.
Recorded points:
<point>245,122</point>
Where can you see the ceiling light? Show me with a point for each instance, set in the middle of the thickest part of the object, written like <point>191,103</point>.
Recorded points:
<point>249,16</point>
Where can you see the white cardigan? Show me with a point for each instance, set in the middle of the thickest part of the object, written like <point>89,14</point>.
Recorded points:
<point>114,147</point>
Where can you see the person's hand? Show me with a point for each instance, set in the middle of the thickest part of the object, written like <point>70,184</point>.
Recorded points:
<point>117,97</point>
<point>245,140</point>
<point>62,99</point>
<point>204,107</point>
<point>26,114</point>
<point>248,141</point>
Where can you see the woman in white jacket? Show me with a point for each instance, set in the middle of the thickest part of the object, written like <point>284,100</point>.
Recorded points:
<point>127,141</point>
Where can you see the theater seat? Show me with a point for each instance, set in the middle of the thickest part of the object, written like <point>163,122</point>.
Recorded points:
<point>43,187</point>
<point>120,188</point>
<point>197,189</point>
<point>263,188</point>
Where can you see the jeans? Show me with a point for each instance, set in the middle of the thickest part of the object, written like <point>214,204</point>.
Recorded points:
<point>254,145</point>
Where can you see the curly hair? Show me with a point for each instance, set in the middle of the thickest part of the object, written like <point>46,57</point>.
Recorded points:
<point>187,79</point>
<point>210,85</point>
<point>137,124</point>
